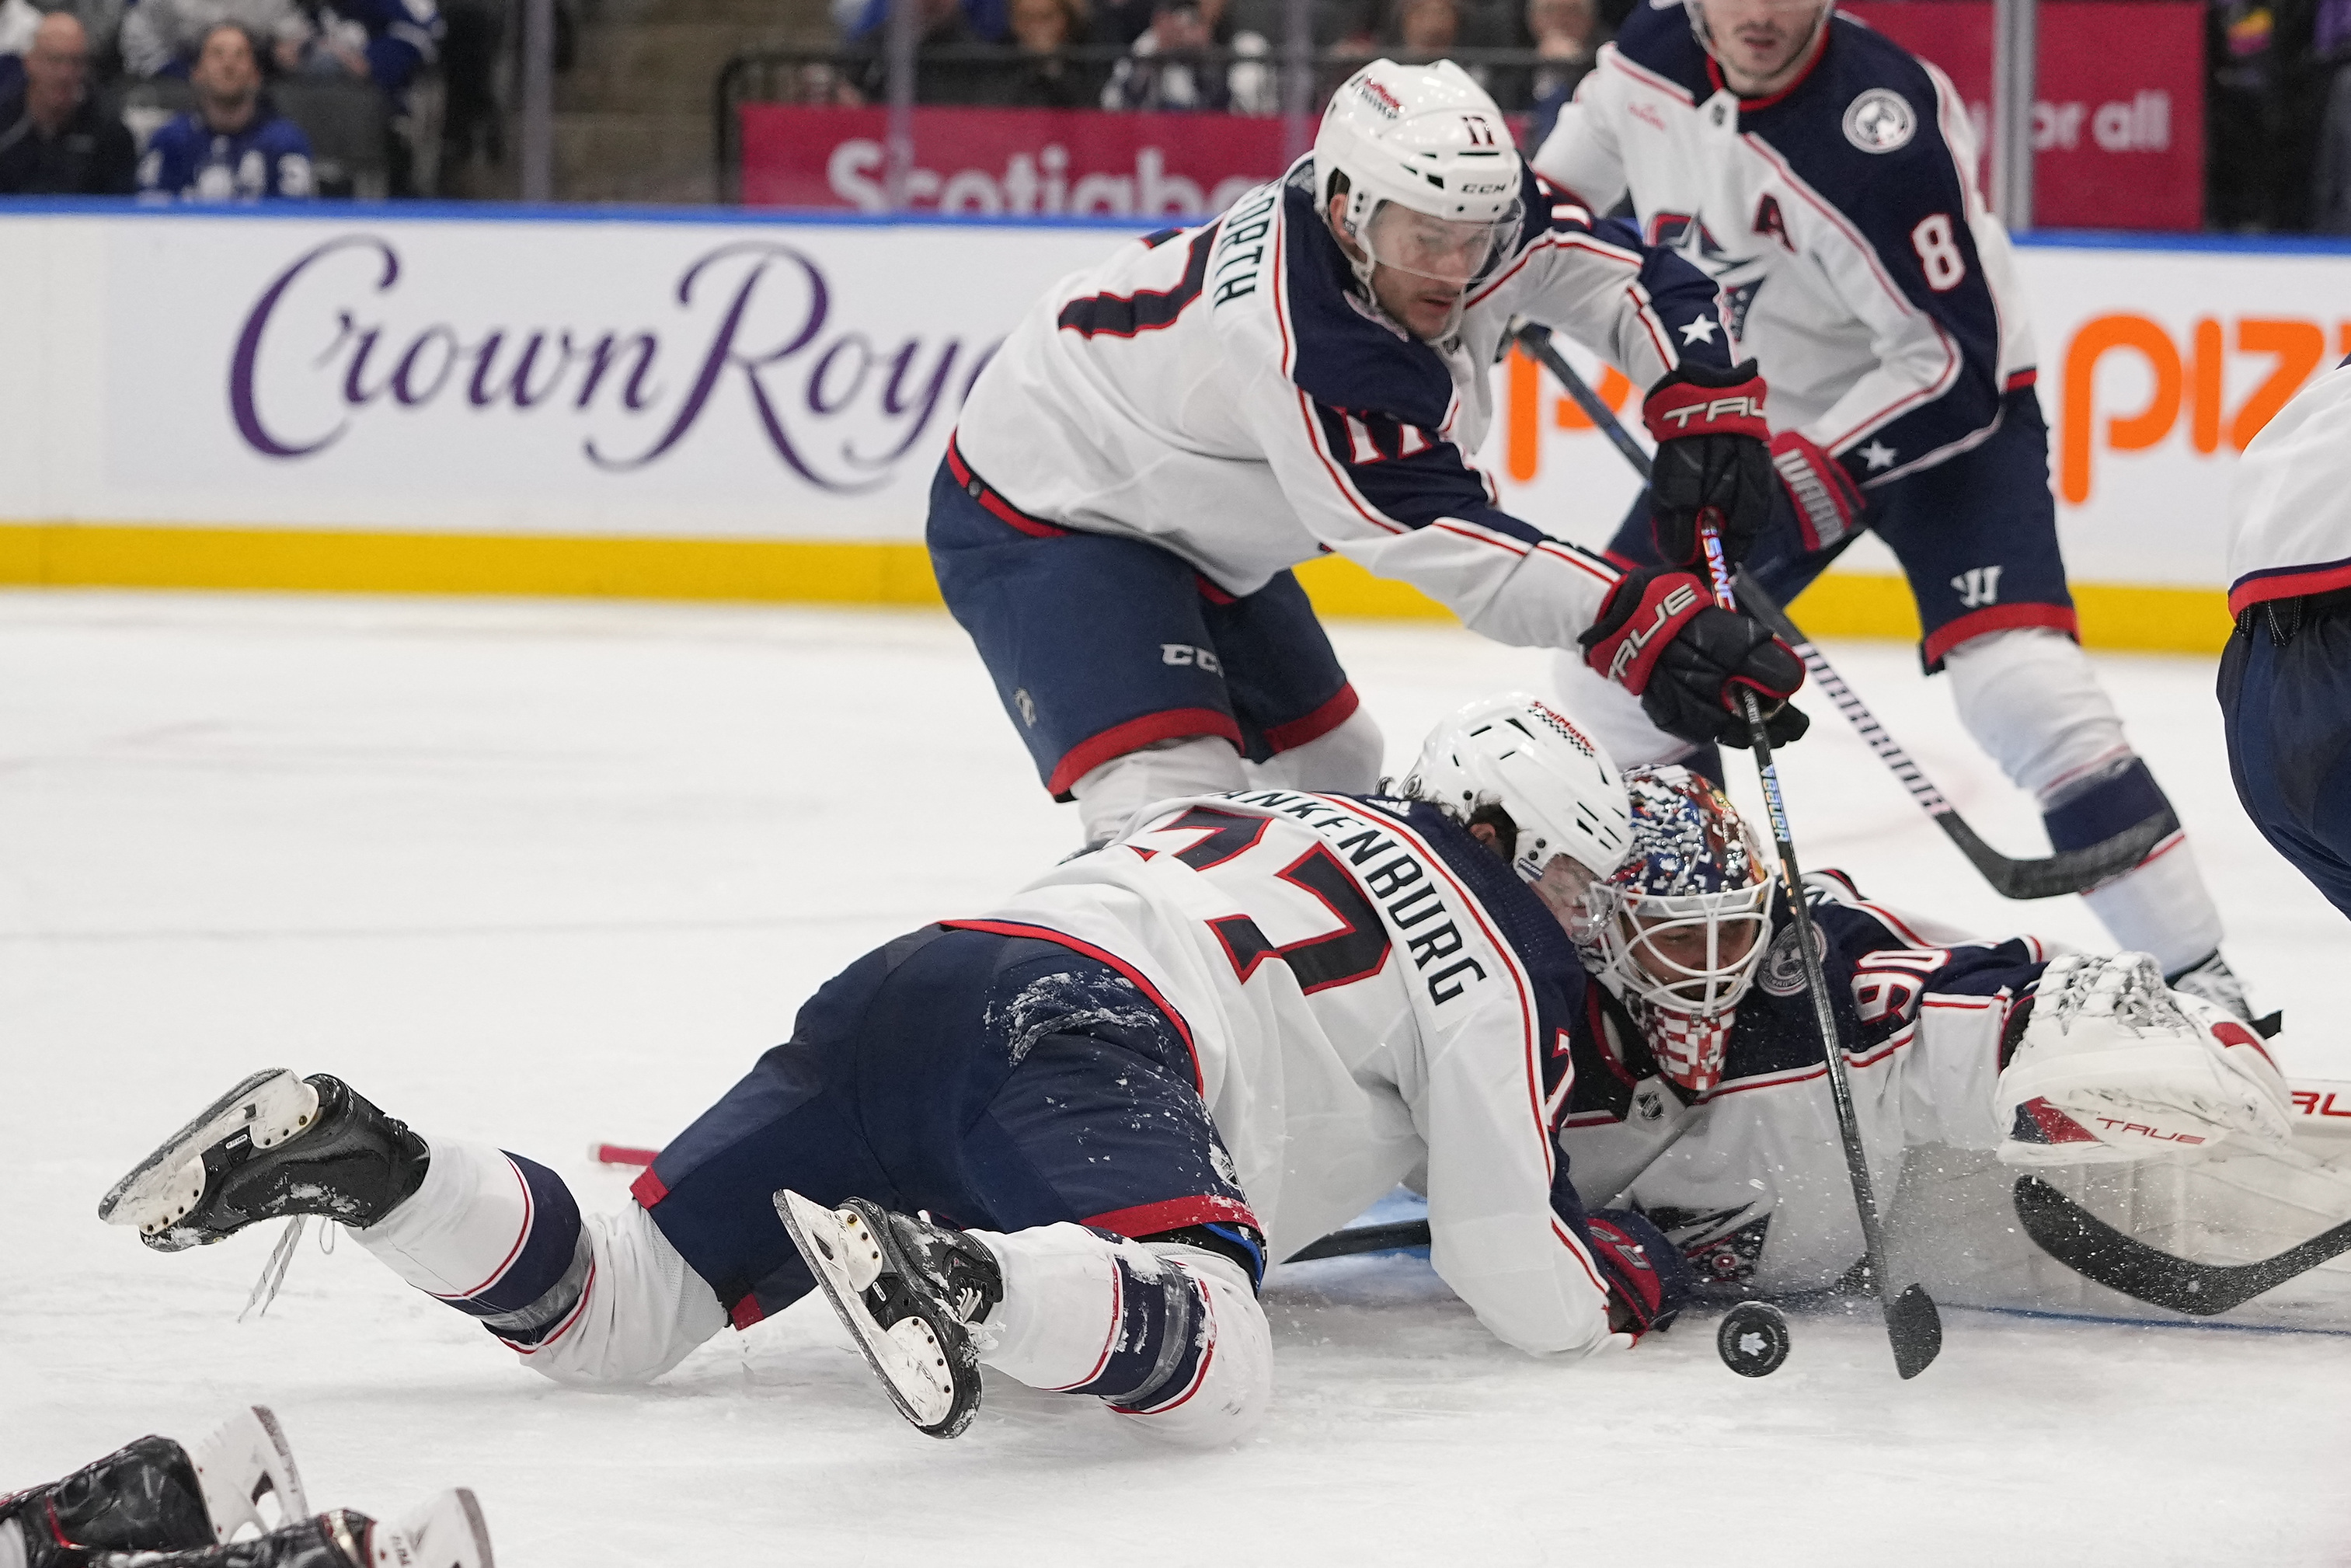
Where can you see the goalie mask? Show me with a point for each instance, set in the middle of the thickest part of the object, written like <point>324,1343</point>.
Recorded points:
<point>1683,923</point>
<point>1547,789</point>
<point>1429,175</point>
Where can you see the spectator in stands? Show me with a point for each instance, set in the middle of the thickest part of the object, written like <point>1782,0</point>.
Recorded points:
<point>1045,77</point>
<point>940,77</point>
<point>55,138</point>
<point>235,146</point>
<point>1172,66</point>
<point>861,21</point>
<point>1567,34</point>
<point>382,41</point>
<point>161,38</point>
<point>2330,200</point>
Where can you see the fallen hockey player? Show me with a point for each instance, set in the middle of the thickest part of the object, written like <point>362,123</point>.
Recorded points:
<point>1700,1097</point>
<point>1064,1139</point>
<point>235,1500</point>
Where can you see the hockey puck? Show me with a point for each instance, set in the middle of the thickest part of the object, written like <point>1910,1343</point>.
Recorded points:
<point>1753,1339</point>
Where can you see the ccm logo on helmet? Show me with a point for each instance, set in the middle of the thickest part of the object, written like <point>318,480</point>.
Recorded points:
<point>1676,601</point>
<point>1483,187</point>
<point>1719,408</point>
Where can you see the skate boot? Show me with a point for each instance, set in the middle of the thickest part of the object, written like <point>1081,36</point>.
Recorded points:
<point>447,1532</point>
<point>155,1496</point>
<point>2212,979</point>
<point>275,1145</point>
<point>908,1292</point>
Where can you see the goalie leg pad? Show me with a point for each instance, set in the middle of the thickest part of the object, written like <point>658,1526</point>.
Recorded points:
<point>2114,1066</point>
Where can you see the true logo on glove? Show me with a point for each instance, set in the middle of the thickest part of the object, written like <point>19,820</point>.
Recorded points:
<point>1678,598</point>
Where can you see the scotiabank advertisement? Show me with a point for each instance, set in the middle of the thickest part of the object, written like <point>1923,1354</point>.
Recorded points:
<point>786,379</point>
<point>2118,132</point>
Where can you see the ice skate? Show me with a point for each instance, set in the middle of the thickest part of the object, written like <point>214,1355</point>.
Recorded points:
<point>144,1497</point>
<point>276,1145</point>
<point>246,1470</point>
<point>447,1532</point>
<point>908,1292</point>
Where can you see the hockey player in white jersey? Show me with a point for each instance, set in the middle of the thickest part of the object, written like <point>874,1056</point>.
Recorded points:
<point>1164,437</point>
<point>1063,1138</point>
<point>1825,178</point>
<point>2285,679</point>
<point>232,1500</point>
<point>1701,1098</point>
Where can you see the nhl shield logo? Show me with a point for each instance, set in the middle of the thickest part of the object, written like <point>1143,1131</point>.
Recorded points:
<point>1783,965</point>
<point>1880,120</point>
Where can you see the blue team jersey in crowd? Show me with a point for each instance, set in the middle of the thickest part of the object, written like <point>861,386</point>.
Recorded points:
<point>188,162</point>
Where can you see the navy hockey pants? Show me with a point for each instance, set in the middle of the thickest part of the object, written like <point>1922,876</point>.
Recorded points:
<point>1976,535</point>
<point>999,1078</point>
<point>1100,646</point>
<point>2286,701</point>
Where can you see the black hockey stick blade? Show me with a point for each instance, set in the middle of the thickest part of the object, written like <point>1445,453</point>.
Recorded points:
<point>2068,870</point>
<point>2097,1250</point>
<point>1914,1328</point>
<point>1364,1239</point>
<point>2051,876</point>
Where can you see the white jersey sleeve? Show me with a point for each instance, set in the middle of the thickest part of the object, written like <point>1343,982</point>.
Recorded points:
<point>2289,503</point>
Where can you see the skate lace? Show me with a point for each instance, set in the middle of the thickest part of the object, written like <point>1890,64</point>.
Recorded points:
<point>281,1258</point>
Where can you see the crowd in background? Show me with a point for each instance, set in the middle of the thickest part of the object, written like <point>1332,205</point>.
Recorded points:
<point>229,99</point>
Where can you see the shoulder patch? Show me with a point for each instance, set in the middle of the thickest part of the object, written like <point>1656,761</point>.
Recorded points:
<point>1880,120</point>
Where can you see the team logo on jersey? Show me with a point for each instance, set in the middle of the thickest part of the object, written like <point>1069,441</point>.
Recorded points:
<point>1783,965</point>
<point>1880,120</point>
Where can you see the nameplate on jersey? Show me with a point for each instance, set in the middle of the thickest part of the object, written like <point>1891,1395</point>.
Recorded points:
<point>1440,938</point>
<point>1240,252</point>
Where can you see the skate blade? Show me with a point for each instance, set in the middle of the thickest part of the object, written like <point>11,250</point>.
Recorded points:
<point>246,1470</point>
<point>906,1356</point>
<point>446,1532</point>
<point>273,1105</point>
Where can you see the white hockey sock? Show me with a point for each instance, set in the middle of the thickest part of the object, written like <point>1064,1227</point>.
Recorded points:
<point>1344,761</point>
<point>1168,1335</point>
<point>14,1551</point>
<point>494,1235</point>
<point>2032,701</point>
<point>1111,794</point>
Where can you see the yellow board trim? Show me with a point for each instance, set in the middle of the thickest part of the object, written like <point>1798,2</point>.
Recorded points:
<point>110,554</point>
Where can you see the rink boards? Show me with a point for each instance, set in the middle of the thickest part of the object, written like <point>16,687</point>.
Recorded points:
<point>736,406</point>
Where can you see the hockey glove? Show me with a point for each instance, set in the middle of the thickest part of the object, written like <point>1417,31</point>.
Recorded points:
<point>1661,637</point>
<point>1712,456</point>
<point>1828,503</point>
<point>1649,1280</point>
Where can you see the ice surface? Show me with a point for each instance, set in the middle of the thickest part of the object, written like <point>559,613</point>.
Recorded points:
<point>544,874</point>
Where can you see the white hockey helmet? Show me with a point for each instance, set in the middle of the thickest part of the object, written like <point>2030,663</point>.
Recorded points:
<point>1428,168</point>
<point>1561,792</point>
<point>1684,921</point>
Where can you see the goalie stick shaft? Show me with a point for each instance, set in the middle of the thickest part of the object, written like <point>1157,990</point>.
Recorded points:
<point>1913,1328</point>
<point>2052,876</point>
<point>2099,1252</point>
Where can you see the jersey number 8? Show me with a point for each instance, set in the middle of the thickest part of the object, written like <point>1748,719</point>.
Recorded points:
<point>1939,252</point>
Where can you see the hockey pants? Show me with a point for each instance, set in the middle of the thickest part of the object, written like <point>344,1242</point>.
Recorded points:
<point>1170,1337</point>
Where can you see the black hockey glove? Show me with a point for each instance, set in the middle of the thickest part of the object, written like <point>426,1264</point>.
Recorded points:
<point>1713,456</point>
<point>1661,637</point>
<point>1649,1280</point>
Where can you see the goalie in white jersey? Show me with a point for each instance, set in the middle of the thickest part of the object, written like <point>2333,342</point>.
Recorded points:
<point>1825,178</point>
<point>1702,1099</point>
<point>1164,437</point>
<point>1116,1097</point>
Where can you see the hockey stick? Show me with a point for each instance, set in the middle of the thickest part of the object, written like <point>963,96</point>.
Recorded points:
<point>1912,1327</point>
<point>2097,1250</point>
<point>2070,870</point>
<point>1338,1244</point>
